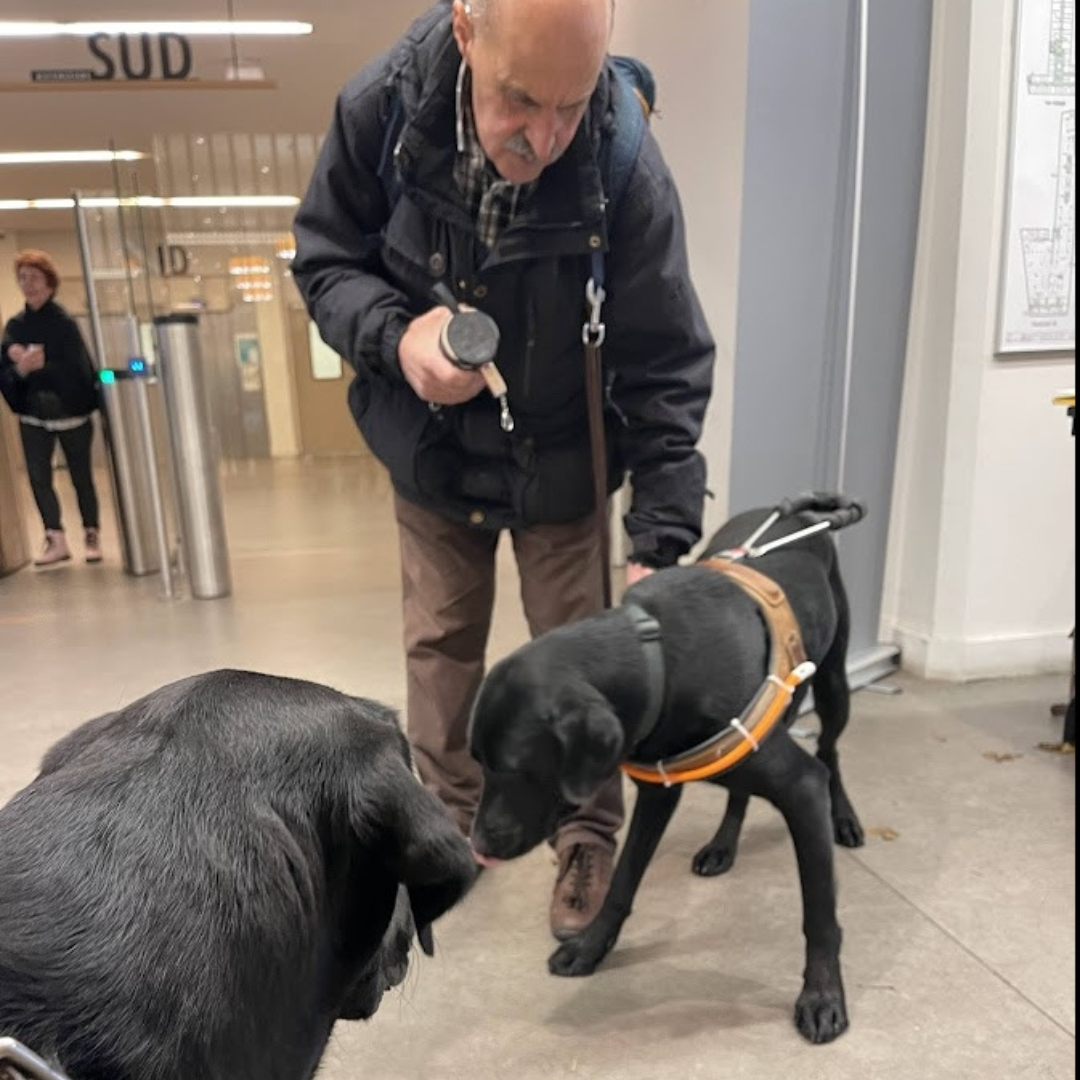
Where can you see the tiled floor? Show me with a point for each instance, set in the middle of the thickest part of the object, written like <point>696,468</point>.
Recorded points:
<point>959,931</point>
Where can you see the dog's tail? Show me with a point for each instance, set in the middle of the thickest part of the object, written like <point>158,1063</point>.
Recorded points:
<point>837,510</point>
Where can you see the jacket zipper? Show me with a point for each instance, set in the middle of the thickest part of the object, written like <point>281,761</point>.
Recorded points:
<point>530,347</point>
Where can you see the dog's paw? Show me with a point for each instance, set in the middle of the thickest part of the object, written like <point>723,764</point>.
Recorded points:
<point>821,1015</point>
<point>574,959</point>
<point>847,831</point>
<point>711,861</point>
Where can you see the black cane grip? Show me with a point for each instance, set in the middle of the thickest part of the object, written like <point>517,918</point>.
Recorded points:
<point>470,339</point>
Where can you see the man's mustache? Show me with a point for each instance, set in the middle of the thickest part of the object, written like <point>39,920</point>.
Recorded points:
<point>518,144</point>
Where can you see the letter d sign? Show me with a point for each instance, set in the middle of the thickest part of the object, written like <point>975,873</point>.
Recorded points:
<point>172,260</point>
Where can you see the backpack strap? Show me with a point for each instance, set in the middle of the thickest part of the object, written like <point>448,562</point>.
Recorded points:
<point>395,124</point>
<point>633,93</point>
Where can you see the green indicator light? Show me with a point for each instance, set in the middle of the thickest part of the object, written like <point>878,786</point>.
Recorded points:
<point>107,376</point>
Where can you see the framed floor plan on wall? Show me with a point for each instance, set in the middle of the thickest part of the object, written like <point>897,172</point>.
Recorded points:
<point>1037,308</point>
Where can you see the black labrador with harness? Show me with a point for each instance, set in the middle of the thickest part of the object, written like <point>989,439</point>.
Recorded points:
<point>695,676</point>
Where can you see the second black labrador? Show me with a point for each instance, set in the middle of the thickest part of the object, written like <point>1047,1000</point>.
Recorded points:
<point>556,718</point>
<point>199,885</point>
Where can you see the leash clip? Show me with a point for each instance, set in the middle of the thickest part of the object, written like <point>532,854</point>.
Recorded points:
<point>594,331</point>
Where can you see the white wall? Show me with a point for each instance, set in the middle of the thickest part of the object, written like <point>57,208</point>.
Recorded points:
<point>279,389</point>
<point>697,49</point>
<point>980,578</point>
<point>11,299</point>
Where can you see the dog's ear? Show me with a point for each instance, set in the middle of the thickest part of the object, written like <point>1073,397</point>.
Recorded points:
<point>75,742</point>
<point>435,861</point>
<point>423,847</point>
<point>592,740</point>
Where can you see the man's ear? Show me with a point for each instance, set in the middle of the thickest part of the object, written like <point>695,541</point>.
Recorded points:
<point>463,27</point>
<point>592,741</point>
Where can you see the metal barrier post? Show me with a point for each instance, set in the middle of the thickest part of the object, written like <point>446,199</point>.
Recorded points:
<point>195,458</point>
<point>132,468</point>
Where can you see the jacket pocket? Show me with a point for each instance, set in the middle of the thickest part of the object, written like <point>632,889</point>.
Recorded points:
<point>554,483</point>
<point>404,434</point>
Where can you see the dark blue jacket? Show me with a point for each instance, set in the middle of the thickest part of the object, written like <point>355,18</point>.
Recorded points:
<point>380,223</point>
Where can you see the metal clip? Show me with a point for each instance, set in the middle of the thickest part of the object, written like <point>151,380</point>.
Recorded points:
<point>594,331</point>
<point>506,421</point>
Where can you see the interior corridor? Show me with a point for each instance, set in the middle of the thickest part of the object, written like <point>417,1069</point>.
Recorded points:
<point>959,913</point>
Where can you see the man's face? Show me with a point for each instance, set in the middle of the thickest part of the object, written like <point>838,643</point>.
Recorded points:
<point>534,67</point>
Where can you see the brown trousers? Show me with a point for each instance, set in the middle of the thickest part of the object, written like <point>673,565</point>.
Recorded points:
<point>448,591</point>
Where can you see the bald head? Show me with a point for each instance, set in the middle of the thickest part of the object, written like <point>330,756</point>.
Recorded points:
<point>534,64</point>
<point>485,12</point>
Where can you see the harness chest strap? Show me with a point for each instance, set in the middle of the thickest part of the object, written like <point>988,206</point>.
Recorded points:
<point>787,646</point>
<point>788,667</point>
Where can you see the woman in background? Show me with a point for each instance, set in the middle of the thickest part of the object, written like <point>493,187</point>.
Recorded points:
<point>48,379</point>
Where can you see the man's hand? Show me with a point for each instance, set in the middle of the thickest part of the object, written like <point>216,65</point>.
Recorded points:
<point>635,572</point>
<point>426,369</point>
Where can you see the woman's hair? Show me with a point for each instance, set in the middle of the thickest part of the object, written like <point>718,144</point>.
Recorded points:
<point>42,261</point>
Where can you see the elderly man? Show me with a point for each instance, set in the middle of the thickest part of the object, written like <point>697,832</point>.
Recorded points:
<point>470,155</point>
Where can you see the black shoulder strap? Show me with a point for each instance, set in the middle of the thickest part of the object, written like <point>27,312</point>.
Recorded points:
<point>395,123</point>
<point>620,152</point>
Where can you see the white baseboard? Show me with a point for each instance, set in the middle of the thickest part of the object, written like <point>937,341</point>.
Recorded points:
<point>963,660</point>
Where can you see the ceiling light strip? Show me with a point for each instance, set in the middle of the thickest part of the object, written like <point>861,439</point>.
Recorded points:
<point>192,28</point>
<point>109,202</point>
<point>68,157</point>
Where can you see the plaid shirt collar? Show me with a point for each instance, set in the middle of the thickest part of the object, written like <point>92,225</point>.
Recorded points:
<point>492,200</point>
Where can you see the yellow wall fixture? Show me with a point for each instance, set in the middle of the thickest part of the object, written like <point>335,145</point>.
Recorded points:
<point>285,247</point>
<point>251,276</point>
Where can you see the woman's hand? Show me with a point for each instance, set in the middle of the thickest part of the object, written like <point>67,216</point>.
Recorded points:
<point>27,358</point>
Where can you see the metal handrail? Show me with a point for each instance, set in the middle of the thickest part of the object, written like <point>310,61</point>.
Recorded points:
<point>26,1062</point>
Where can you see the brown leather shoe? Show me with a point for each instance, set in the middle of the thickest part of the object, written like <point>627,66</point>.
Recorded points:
<point>580,887</point>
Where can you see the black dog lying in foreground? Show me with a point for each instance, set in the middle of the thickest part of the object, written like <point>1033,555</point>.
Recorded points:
<point>557,717</point>
<point>200,884</point>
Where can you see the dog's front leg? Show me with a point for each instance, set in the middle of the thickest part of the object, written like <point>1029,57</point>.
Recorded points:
<point>802,796</point>
<point>652,811</point>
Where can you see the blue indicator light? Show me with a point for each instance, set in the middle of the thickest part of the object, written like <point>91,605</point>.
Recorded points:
<point>137,365</point>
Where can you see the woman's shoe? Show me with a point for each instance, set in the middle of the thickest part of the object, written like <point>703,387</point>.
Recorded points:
<point>92,543</point>
<point>55,549</point>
